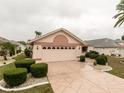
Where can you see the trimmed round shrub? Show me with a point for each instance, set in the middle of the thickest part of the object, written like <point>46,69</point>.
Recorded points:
<point>87,54</point>
<point>82,58</point>
<point>105,57</point>
<point>39,70</point>
<point>94,52</point>
<point>93,55</point>
<point>26,63</point>
<point>15,77</point>
<point>101,60</point>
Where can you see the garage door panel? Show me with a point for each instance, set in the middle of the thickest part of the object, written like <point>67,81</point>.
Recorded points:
<point>58,55</point>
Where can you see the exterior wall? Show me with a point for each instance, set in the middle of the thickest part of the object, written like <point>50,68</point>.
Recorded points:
<point>121,52</point>
<point>106,51</point>
<point>56,54</point>
<point>90,48</point>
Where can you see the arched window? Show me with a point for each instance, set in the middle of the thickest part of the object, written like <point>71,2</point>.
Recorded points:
<point>49,48</point>
<point>65,47</point>
<point>69,47</point>
<point>57,47</point>
<point>44,48</point>
<point>62,48</point>
<point>53,48</point>
<point>73,47</point>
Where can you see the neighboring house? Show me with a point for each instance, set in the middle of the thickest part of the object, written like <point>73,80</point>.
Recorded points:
<point>21,46</point>
<point>121,47</point>
<point>104,46</point>
<point>18,45</point>
<point>58,45</point>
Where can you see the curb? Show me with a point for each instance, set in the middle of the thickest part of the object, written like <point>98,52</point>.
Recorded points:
<point>23,88</point>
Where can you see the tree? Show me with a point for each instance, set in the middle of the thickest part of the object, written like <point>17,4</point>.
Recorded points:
<point>28,53</point>
<point>7,48</point>
<point>122,37</point>
<point>120,15</point>
<point>38,34</point>
<point>22,42</point>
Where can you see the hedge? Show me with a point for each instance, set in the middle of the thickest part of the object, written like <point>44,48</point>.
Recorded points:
<point>26,63</point>
<point>87,54</point>
<point>39,69</point>
<point>15,77</point>
<point>93,55</point>
<point>82,58</point>
<point>101,60</point>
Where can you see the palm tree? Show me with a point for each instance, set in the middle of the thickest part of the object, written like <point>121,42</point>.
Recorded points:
<point>120,15</point>
<point>38,34</point>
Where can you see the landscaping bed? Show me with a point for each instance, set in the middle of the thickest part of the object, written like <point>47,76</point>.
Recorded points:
<point>46,88</point>
<point>29,82</point>
<point>103,67</point>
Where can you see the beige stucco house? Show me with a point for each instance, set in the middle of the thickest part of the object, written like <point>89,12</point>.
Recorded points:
<point>58,45</point>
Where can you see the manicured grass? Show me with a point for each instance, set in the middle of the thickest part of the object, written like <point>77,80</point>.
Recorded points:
<point>20,57</point>
<point>39,89</point>
<point>118,68</point>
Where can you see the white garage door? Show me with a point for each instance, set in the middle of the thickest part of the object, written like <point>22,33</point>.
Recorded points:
<point>50,55</point>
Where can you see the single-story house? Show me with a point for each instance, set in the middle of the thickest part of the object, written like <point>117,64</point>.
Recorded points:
<point>104,46</point>
<point>58,45</point>
<point>121,47</point>
<point>19,46</point>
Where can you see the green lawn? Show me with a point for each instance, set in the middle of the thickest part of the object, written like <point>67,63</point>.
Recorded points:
<point>20,57</point>
<point>118,68</point>
<point>39,89</point>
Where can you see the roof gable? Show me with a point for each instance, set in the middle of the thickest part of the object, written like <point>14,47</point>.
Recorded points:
<point>59,30</point>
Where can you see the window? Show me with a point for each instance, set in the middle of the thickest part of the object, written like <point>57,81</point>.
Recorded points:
<point>65,47</point>
<point>69,47</point>
<point>73,48</point>
<point>62,48</point>
<point>57,47</point>
<point>53,47</point>
<point>44,48</point>
<point>49,48</point>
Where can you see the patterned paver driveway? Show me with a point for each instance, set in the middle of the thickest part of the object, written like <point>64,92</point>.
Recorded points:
<point>76,77</point>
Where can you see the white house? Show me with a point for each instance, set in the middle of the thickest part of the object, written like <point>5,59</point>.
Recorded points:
<point>121,47</point>
<point>58,45</point>
<point>104,46</point>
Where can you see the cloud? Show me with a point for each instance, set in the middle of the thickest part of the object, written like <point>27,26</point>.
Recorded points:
<point>88,19</point>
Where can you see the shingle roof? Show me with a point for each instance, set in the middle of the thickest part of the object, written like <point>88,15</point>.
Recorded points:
<point>3,40</point>
<point>103,43</point>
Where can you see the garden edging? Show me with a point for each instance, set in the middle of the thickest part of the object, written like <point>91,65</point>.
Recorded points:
<point>19,89</point>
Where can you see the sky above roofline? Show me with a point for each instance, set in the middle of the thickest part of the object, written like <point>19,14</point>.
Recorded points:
<point>87,19</point>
